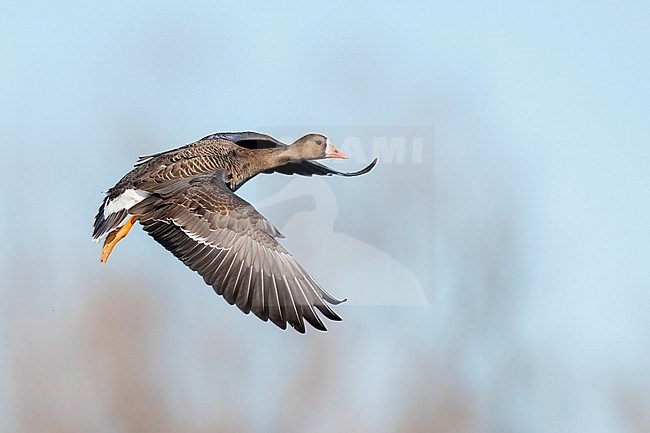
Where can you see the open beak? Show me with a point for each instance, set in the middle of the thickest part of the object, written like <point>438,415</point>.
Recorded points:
<point>333,152</point>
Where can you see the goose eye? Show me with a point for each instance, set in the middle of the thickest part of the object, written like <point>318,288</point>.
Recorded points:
<point>319,142</point>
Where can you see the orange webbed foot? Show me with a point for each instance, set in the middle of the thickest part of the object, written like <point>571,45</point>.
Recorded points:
<point>114,237</point>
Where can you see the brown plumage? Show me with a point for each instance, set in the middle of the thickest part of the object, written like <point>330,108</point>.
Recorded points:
<point>184,199</point>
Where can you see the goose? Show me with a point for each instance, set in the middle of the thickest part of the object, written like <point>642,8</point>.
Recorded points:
<point>185,199</point>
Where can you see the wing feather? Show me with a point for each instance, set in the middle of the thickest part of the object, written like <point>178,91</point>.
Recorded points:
<point>234,248</point>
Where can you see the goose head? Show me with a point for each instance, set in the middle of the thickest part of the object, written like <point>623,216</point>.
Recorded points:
<point>315,146</point>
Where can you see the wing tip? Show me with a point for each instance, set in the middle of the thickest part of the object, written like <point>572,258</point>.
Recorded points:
<point>364,170</point>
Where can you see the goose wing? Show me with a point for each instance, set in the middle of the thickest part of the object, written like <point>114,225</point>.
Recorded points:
<point>310,168</point>
<point>234,248</point>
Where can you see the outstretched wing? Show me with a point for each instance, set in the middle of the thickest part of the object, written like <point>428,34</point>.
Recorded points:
<point>310,168</point>
<point>234,248</point>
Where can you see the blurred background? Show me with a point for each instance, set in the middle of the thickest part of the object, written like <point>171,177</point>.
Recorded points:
<point>517,219</point>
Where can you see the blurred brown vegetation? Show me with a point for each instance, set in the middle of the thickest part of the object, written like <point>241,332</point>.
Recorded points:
<point>105,366</point>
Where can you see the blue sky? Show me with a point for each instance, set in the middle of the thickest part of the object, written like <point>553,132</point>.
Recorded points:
<point>535,183</point>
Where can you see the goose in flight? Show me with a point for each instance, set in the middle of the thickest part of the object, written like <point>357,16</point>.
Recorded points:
<point>184,198</point>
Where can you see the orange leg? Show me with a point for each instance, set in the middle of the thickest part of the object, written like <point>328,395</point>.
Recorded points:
<point>114,237</point>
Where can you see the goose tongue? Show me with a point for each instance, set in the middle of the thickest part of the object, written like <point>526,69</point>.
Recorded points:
<point>333,152</point>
